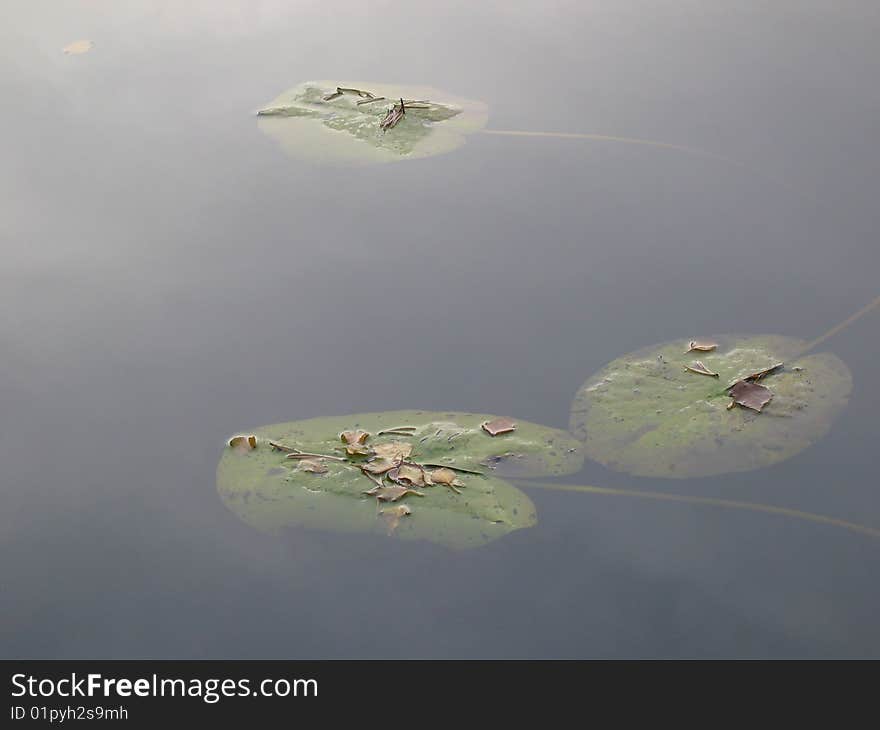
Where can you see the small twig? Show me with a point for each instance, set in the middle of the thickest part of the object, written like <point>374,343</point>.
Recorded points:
<point>456,468</point>
<point>370,100</point>
<point>281,447</point>
<point>396,430</point>
<point>303,455</point>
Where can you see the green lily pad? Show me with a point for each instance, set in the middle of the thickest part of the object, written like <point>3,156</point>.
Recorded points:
<point>310,125</point>
<point>271,492</point>
<point>645,414</point>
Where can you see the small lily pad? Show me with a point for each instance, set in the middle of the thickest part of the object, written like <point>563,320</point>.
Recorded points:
<point>343,122</point>
<point>486,508</point>
<point>646,414</point>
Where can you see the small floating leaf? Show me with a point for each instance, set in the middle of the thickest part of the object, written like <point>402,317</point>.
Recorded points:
<point>78,47</point>
<point>645,414</point>
<point>700,369</point>
<point>498,426</point>
<point>445,476</point>
<point>750,395</point>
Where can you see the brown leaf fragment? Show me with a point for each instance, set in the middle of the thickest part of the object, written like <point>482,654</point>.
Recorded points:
<point>446,477</point>
<point>243,442</point>
<point>499,426</point>
<point>394,115</point>
<point>701,346</point>
<point>380,465</point>
<point>394,450</point>
<point>393,515</point>
<point>761,374</point>
<point>750,395</point>
<point>313,466</point>
<point>700,369</point>
<point>410,475</point>
<point>392,493</point>
<point>354,442</point>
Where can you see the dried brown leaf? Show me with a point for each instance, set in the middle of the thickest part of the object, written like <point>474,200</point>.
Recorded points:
<point>499,426</point>
<point>446,477</point>
<point>701,346</point>
<point>409,475</point>
<point>750,395</point>
<point>761,374</point>
<point>354,442</point>
<point>700,369</point>
<point>379,466</point>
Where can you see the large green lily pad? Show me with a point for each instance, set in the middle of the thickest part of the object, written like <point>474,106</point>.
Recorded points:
<point>645,414</point>
<point>308,126</point>
<point>271,492</point>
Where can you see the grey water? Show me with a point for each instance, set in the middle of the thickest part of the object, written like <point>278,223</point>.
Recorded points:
<point>170,277</point>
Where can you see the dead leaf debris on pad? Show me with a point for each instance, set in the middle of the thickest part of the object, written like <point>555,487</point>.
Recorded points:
<point>389,460</point>
<point>701,346</point>
<point>700,369</point>
<point>750,395</point>
<point>499,426</point>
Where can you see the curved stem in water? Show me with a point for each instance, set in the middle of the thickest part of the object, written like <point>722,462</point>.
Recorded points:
<point>635,141</point>
<point>840,327</point>
<point>712,502</point>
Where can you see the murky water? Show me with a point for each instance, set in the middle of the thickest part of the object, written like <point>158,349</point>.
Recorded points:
<point>170,277</point>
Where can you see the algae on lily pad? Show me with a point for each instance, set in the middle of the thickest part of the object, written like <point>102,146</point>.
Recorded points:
<point>341,121</point>
<point>266,489</point>
<point>647,414</point>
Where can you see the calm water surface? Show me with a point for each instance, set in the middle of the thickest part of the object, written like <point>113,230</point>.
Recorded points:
<point>169,277</point>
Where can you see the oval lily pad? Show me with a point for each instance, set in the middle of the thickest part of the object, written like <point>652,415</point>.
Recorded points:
<point>469,506</point>
<point>343,122</point>
<point>647,414</point>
